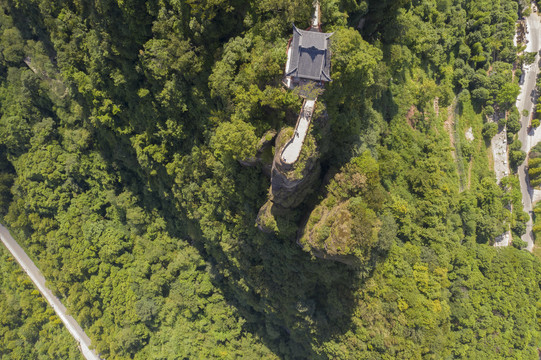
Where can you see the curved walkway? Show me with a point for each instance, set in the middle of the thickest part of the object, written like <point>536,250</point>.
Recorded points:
<point>292,150</point>
<point>37,278</point>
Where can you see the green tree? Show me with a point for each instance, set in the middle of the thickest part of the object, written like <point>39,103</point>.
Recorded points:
<point>490,129</point>
<point>507,95</point>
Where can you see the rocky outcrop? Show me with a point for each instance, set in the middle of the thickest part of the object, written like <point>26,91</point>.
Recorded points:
<point>266,140</point>
<point>290,183</point>
<point>344,231</point>
<point>345,225</point>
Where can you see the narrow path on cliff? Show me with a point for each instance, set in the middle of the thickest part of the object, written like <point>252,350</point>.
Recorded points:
<point>37,278</point>
<point>293,148</point>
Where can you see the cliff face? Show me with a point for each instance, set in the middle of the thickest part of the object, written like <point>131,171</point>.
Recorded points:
<point>343,231</point>
<point>290,183</point>
<point>260,158</point>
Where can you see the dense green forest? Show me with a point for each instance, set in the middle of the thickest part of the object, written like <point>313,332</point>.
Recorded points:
<point>29,329</point>
<point>122,124</point>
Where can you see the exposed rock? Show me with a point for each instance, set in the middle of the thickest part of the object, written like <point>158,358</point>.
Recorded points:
<point>503,240</point>
<point>345,226</point>
<point>266,140</point>
<point>469,134</point>
<point>249,162</point>
<point>265,219</point>
<point>290,183</point>
<point>272,218</point>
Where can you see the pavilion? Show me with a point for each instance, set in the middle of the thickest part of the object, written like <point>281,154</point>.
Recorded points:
<point>308,57</point>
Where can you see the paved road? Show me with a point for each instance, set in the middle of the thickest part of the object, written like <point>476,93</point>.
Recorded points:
<point>37,278</point>
<point>525,101</point>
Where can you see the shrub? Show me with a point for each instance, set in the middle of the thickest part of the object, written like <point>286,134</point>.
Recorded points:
<point>516,158</point>
<point>489,130</point>
<point>513,123</point>
<point>519,243</point>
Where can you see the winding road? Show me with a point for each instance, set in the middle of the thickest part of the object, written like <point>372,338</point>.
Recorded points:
<point>529,139</point>
<point>37,278</point>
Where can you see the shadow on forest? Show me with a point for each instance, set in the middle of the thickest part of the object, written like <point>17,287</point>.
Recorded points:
<point>30,22</point>
<point>292,301</point>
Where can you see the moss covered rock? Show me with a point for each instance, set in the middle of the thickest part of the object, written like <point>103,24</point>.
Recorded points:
<point>345,225</point>
<point>345,229</point>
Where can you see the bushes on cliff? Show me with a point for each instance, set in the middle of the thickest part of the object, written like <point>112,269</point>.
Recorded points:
<point>346,221</point>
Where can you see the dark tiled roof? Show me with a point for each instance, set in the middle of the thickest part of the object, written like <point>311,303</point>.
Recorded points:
<point>310,55</point>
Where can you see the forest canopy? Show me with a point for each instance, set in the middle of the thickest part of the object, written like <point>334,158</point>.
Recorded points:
<point>122,124</point>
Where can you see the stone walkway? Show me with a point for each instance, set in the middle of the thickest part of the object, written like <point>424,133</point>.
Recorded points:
<point>292,150</point>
